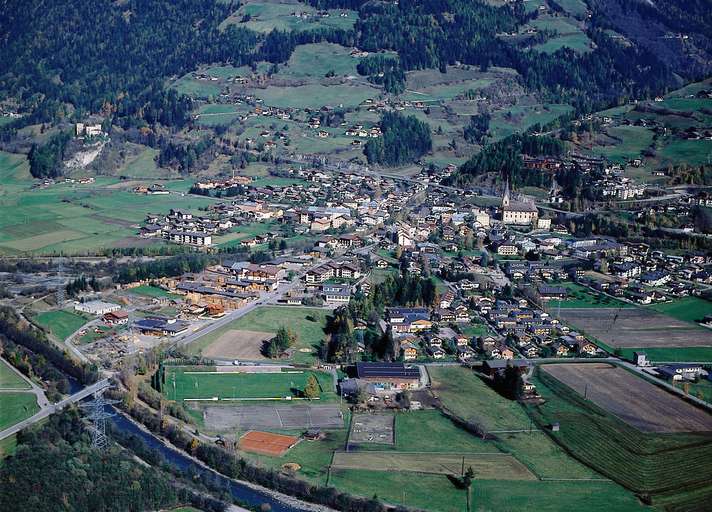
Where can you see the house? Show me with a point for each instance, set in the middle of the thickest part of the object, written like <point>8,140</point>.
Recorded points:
<point>409,350</point>
<point>494,366</point>
<point>336,293</point>
<point>465,353</point>
<point>116,318</point>
<point>437,352</point>
<point>680,371</point>
<point>388,376</point>
<point>408,320</point>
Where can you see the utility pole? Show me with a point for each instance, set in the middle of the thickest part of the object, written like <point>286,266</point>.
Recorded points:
<point>97,413</point>
<point>60,281</point>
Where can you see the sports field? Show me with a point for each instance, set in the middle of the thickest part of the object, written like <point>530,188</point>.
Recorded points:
<point>267,443</point>
<point>272,417</point>
<point>61,323</point>
<point>9,379</point>
<point>203,383</point>
<point>488,466</point>
<point>631,398</point>
<point>15,407</point>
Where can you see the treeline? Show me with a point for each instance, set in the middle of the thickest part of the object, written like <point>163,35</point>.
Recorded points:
<point>110,57</point>
<point>505,157</point>
<point>54,468</point>
<point>478,128</point>
<point>46,159</point>
<point>27,344</point>
<point>383,70</point>
<point>167,267</point>
<point>181,156</point>
<point>278,45</point>
<point>404,139</point>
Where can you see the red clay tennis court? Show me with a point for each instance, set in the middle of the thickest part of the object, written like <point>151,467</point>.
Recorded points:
<point>266,443</point>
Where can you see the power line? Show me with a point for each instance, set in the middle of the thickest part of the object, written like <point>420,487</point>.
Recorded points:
<point>97,413</point>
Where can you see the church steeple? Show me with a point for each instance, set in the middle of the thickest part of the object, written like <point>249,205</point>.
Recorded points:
<point>505,196</point>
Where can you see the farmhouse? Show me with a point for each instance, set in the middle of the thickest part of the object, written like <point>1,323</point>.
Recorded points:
<point>116,318</point>
<point>408,320</point>
<point>387,376</point>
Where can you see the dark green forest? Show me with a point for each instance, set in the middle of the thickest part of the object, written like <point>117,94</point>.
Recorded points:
<point>404,139</point>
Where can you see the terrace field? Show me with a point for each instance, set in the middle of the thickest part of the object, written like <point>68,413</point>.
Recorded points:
<point>673,469</point>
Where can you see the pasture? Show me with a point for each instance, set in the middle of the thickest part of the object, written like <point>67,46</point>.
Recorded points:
<point>74,218</point>
<point>307,323</point>
<point>9,379</point>
<point>672,468</point>
<point>636,327</point>
<point>487,466</point>
<point>266,16</point>
<point>205,383</point>
<point>581,297</point>
<point>61,324</point>
<point>316,95</point>
<point>316,60</point>
<point>687,309</point>
<point>632,399</point>
<point>15,407</point>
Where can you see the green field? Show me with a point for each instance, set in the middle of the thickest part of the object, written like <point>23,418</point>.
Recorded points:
<point>672,354</point>
<point>268,16</point>
<point>582,297</point>
<point>309,333</point>
<point>438,493</point>
<point>152,291</point>
<point>15,407</point>
<point>201,89</point>
<point>73,218</point>
<point>628,143</point>
<point>674,469</point>
<point>316,95</point>
<point>9,379</point>
<point>181,383</point>
<point>61,324</point>
<point>316,60</point>
<point>687,309</point>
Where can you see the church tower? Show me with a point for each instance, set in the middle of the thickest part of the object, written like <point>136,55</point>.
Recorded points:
<point>505,196</point>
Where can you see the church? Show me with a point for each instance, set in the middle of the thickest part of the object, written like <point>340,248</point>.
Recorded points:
<point>520,213</point>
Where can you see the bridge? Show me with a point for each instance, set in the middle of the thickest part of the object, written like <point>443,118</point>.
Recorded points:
<point>51,409</point>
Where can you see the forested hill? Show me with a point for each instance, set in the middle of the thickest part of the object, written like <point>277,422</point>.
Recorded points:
<point>115,57</point>
<point>105,55</point>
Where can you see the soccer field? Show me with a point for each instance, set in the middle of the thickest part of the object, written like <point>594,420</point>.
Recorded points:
<point>186,383</point>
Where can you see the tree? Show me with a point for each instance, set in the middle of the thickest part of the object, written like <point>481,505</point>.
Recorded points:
<point>311,390</point>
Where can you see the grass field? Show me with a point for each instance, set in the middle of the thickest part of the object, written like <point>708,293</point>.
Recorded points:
<point>9,379</point>
<point>582,297</point>
<point>152,291</point>
<point>201,89</point>
<point>310,333</point>
<point>687,309</point>
<point>181,383</point>
<point>437,493</point>
<point>60,324</point>
<point>672,354</point>
<point>316,95</point>
<point>268,16</point>
<point>673,468</point>
<point>15,407</point>
<point>316,60</point>
<point>73,218</point>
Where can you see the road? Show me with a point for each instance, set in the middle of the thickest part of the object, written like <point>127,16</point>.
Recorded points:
<point>34,388</point>
<point>51,409</point>
<point>269,298</point>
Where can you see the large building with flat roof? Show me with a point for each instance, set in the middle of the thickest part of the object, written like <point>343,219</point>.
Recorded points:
<point>387,376</point>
